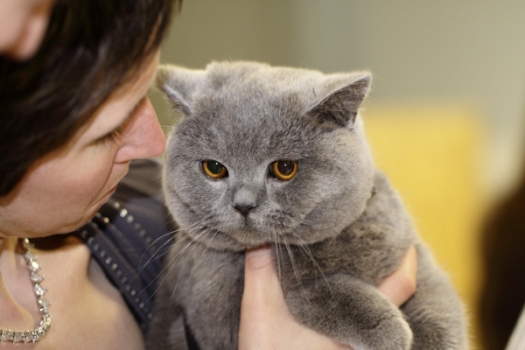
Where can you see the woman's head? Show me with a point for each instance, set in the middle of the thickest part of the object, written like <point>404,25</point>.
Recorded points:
<point>63,189</point>
<point>90,50</point>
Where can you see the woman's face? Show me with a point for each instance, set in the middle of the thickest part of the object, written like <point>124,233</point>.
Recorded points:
<point>64,189</point>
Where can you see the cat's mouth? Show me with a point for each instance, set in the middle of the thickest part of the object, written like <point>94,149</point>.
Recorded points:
<point>247,234</point>
<point>254,230</point>
<point>240,232</point>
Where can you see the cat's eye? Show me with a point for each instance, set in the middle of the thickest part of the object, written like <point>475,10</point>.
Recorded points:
<point>214,169</point>
<point>284,169</point>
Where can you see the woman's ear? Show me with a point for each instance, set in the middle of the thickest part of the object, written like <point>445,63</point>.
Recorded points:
<point>23,25</point>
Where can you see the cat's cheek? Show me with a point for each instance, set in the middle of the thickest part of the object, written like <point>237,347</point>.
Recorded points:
<point>278,192</point>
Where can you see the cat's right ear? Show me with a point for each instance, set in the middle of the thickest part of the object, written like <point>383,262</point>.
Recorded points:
<point>178,84</point>
<point>340,105</point>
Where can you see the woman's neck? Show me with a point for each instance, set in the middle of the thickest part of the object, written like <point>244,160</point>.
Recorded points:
<point>7,242</point>
<point>17,300</point>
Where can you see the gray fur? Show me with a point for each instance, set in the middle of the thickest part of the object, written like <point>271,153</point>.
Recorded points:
<point>337,228</point>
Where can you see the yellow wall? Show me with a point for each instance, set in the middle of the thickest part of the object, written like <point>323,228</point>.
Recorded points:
<point>431,155</point>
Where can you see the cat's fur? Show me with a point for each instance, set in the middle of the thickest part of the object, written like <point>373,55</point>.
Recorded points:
<point>337,228</point>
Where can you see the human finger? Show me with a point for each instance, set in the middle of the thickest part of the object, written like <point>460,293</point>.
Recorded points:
<point>401,284</point>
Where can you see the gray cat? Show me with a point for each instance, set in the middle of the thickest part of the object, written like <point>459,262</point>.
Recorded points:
<point>269,155</point>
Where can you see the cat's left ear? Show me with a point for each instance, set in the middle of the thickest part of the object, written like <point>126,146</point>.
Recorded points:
<point>340,105</point>
<point>179,85</point>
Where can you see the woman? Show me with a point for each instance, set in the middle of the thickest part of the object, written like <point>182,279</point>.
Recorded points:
<point>73,116</point>
<point>503,291</point>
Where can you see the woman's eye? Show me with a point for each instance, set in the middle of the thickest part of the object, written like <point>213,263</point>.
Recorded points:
<point>214,169</point>
<point>110,138</point>
<point>284,169</point>
<point>114,136</point>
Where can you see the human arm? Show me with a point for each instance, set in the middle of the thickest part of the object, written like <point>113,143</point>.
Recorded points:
<point>266,322</point>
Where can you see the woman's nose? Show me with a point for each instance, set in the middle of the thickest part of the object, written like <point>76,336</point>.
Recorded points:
<point>144,137</point>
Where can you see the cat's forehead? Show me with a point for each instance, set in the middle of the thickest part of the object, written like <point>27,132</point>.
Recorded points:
<point>247,103</point>
<point>254,84</point>
<point>259,133</point>
<point>245,130</point>
<point>247,96</point>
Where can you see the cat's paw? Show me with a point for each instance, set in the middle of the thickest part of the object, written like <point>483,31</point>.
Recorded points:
<point>391,334</point>
<point>403,337</point>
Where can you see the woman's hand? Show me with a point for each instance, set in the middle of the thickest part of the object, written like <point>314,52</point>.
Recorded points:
<point>401,284</point>
<point>266,322</point>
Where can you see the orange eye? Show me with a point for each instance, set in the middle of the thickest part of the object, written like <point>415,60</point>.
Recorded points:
<point>214,169</point>
<point>284,169</point>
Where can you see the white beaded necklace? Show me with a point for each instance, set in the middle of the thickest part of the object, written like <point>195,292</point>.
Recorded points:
<point>31,336</point>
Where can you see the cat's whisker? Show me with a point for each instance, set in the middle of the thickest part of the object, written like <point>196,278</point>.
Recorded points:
<point>183,236</point>
<point>293,219</point>
<point>177,235</point>
<point>169,265</point>
<point>178,240</point>
<point>281,255</point>
<point>157,252</point>
<point>191,228</point>
<point>169,233</point>
<point>181,270</point>
<point>292,261</point>
<point>199,261</point>
<point>299,221</point>
<point>158,255</point>
<point>305,248</point>
<point>297,277</point>
<point>198,226</point>
<point>185,262</point>
<point>308,252</point>
<point>277,253</point>
<point>161,274</point>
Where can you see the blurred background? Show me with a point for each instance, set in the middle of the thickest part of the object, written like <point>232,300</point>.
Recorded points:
<point>446,114</point>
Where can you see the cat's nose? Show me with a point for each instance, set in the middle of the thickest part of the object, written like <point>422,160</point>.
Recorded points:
<point>244,209</point>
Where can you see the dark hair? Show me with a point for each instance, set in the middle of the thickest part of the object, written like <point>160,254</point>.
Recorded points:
<point>90,49</point>
<point>503,255</point>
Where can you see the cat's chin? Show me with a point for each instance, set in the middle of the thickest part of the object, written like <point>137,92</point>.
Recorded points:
<point>240,241</point>
<point>248,239</point>
<point>233,243</point>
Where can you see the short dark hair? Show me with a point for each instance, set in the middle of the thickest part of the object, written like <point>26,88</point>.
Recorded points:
<point>90,49</point>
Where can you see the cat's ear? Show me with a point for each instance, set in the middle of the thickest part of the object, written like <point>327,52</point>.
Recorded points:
<point>339,107</point>
<point>178,84</point>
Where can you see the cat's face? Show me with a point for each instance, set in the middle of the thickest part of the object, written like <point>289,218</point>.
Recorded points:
<point>257,160</point>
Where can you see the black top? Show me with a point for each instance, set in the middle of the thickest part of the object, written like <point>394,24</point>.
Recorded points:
<point>129,237</point>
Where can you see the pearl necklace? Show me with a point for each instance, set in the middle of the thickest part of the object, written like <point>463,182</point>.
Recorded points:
<point>31,336</point>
